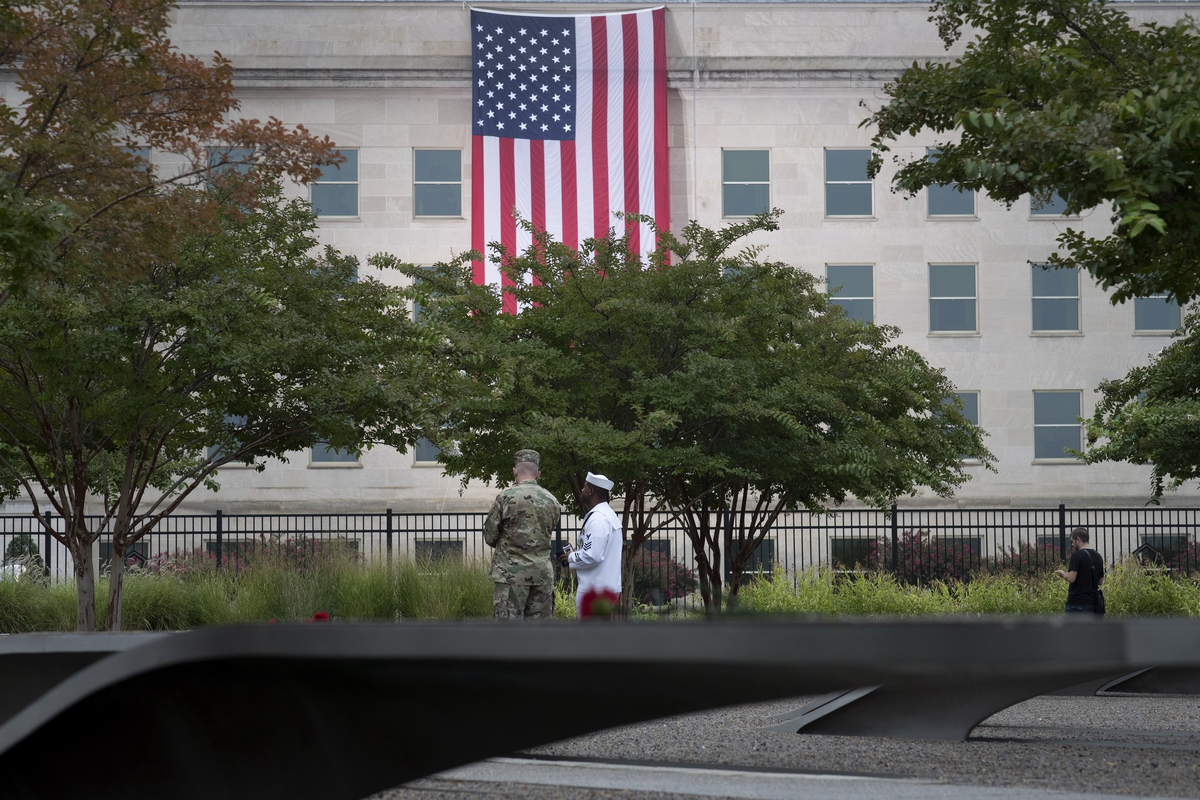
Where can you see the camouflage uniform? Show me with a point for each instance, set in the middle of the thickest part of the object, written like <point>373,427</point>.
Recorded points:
<point>520,526</point>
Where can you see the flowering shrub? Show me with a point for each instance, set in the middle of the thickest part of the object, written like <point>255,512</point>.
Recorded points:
<point>1026,560</point>
<point>658,578</point>
<point>923,559</point>
<point>1184,560</point>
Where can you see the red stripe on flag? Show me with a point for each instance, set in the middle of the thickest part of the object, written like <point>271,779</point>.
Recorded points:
<point>662,172</point>
<point>629,25</point>
<point>599,126</point>
<point>569,206</point>
<point>508,222</point>
<point>477,223</point>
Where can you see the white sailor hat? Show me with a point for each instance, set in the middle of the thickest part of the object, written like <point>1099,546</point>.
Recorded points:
<point>600,480</point>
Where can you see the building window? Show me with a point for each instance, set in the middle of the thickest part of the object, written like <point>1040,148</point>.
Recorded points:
<point>1156,313</point>
<point>324,454</point>
<point>745,182</point>
<point>437,183</point>
<point>852,286</point>
<point>425,452</point>
<point>223,160</point>
<point>947,199</point>
<point>1056,425</point>
<point>970,406</point>
<point>952,301</point>
<point>1052,206</point>
<point>335,193</point>
<point>848,190</point>
<point>1055,299</point>
<point>417,310</point>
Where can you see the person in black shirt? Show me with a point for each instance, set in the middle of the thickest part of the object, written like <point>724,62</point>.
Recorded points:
<point>1084,574</point>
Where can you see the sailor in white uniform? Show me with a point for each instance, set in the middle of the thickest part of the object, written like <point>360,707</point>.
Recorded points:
<point>596,562</point>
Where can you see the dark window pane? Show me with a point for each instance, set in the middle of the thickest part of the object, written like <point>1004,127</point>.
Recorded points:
<point>1049,282</point>
<point>848,200</point>
<point>951,280</point>
<point>946,201</point>
<point>425,450</point>
<point>346,171</point>
<point>846,165</point>
<point>438,165</point>
<point>1055,315</point>
<point>437,199</point>
<point>952,316</point>
<point>1155,314</point>
<point>746,166</point>
<point>219,159</point>
<point>970,404</point>
<point>1052,206</point>
<point>1054,442</point>
<point>860,310</point>
<point>851,280</point>
<point>324,454</point>
<point>742,200</point>
<point>335,199</point>
<point>1056,408</point>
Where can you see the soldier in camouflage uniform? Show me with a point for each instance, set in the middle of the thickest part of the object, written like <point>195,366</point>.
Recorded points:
<point>520,526</point>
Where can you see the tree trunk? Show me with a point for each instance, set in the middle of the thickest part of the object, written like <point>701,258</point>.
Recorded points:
<point>626,608</point>
<point>85,586</point>
<point>735,583</point>
<point>116,586</point>
<point>710,583</point>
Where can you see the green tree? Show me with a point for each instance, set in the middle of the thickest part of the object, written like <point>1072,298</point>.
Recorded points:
<point>1067,96</point>
<point>119,400</point>
<point>1152,415</point>
<point>705,382</point>
<point>100,86</point>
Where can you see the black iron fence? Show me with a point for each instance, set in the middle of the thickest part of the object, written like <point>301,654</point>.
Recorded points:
<point>914,544</point>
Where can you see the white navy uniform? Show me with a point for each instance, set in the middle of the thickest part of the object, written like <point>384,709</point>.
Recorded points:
<point>597,559</point>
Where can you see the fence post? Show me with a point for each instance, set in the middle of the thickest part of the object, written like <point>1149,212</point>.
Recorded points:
<point>895,541</point>
<point>1062,531</point>
<point>389,537</point>
<point>49,539</point>
<point>220,536</point>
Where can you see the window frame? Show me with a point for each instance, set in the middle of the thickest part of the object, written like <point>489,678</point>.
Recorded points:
<point>978,422</point>
<point>724,183</point>
<point>829,286</point>
<point>929,294</point>
<point>462,205</point>
<point>1033,214</point>
<point>357,183</point>
<point>1155,331</point>
<point>425,464</point>
<point>1033,298</point>
<point>313,463</point>
<point>929,215</point>
<point>1078,426</point>
<point>827,183</point>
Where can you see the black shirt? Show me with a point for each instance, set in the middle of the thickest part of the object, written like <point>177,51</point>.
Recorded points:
<point>1088,566</point>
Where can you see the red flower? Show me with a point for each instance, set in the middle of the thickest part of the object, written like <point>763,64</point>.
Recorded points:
<point>320,616</point>
<point>598,604</point>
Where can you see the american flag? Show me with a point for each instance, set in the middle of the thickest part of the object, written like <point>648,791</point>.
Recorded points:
<point>569,116</point>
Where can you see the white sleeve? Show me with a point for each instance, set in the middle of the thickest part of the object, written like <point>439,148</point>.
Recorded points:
<point>592,553</point>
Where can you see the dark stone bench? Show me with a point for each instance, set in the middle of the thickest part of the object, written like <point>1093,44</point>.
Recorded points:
<point>336,712</point>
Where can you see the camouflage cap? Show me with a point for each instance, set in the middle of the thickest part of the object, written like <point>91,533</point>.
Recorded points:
<point>530,456</point>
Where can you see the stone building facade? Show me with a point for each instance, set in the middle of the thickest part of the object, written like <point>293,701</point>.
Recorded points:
<point>766,100</point>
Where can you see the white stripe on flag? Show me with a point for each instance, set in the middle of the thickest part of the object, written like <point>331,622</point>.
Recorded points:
<point>616,121</point>
<point>583,129</point>
<point>646,124</point>
<point>491,207</point>
<point>554,190</point>
<point>524,194</point>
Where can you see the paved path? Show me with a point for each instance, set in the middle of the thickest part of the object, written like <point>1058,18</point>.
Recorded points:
<point>744,784</point>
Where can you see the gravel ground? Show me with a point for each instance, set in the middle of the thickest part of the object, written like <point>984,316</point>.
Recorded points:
<point>1120,744</point>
